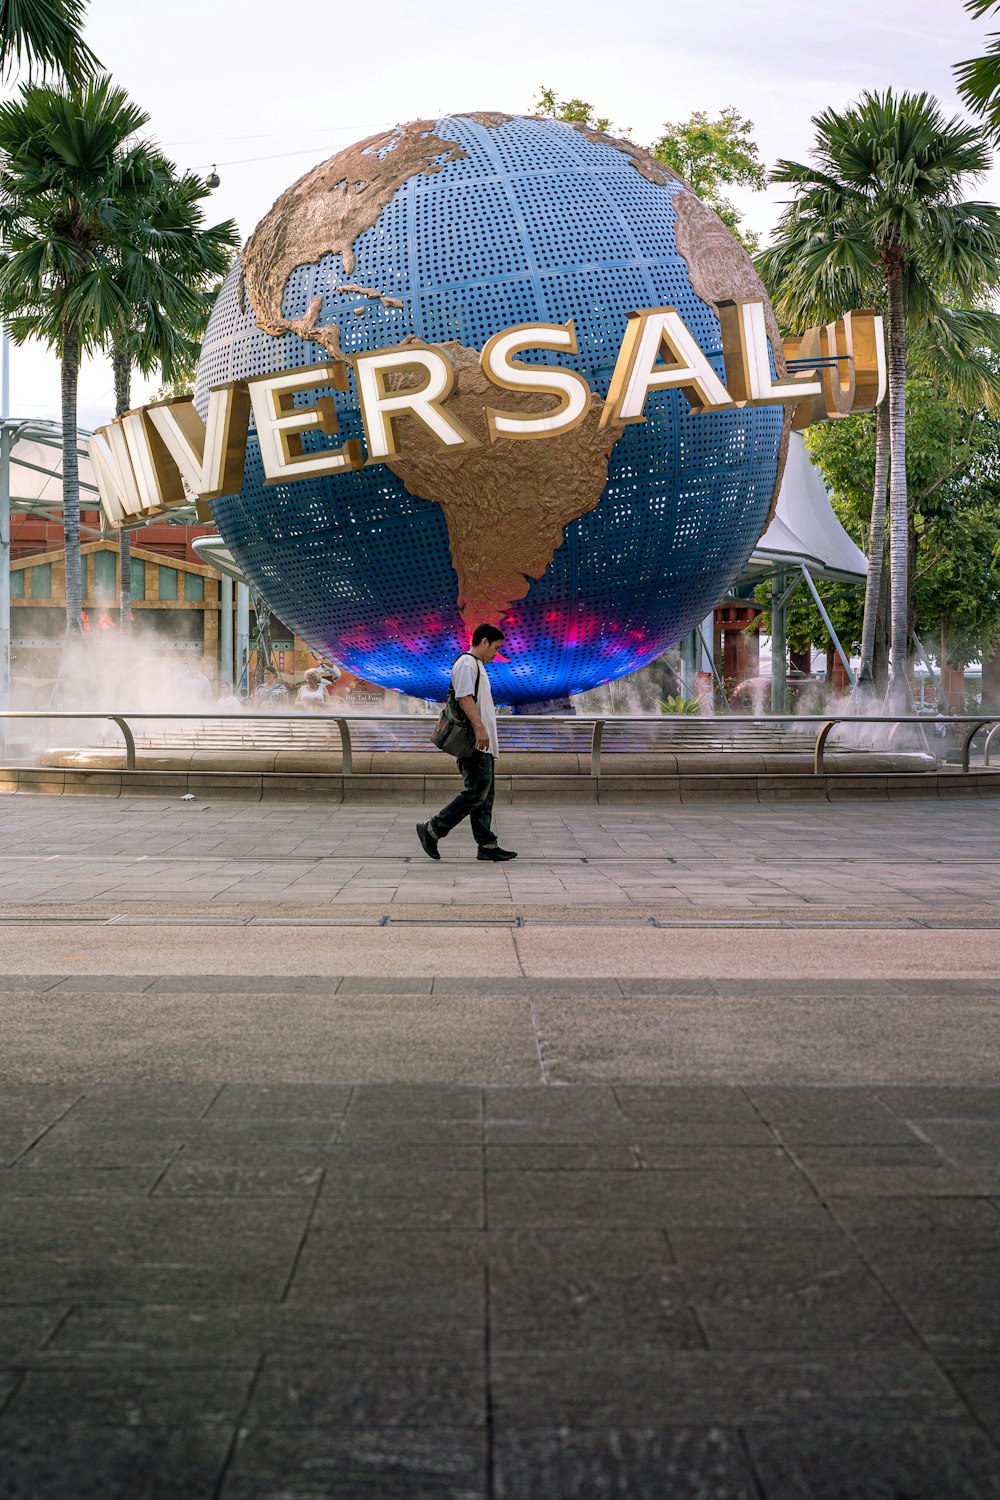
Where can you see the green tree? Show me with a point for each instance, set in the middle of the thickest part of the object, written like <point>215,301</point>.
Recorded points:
<point>952,481</point>
<point>45,35</point>
<point>881,199</point>
<point>71,178</point>
<point>978,78</point>
<point>711,155</point>
<point>576,111</point>
<point>170,266</point>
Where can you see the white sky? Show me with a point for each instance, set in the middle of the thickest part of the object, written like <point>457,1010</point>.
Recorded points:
<point>268,90</point>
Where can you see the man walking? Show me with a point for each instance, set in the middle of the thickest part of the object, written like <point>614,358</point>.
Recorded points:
<point>474,696</point>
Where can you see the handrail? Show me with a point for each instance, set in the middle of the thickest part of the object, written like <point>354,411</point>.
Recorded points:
<point>595,747</point>
<point>978,722</point>
<point>967,747</point>
<point>599,723</point>
<point>346,750</point>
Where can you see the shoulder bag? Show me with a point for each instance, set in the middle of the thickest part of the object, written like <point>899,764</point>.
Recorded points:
<point>453,733</point>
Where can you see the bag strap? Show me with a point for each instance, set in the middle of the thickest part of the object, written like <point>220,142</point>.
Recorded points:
<point>475,691</point>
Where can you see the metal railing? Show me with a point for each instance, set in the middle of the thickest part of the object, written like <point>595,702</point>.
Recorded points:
<point>989,740</point>
<point>580,733</point>
<point>977,722</point>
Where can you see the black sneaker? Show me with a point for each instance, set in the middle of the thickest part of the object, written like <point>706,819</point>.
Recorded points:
<point>428,842</point>
<point>495,853</point>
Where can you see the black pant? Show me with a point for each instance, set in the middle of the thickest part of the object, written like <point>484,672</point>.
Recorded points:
<point>474,801</point>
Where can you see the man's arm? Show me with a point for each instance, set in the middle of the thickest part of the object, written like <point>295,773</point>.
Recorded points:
<point>471,711</point>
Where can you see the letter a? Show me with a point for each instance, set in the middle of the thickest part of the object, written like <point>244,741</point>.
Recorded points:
<point>660,331</point>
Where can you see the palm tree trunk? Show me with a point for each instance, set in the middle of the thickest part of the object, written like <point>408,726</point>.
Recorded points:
<point>898,506</point>
<point>876,549</point>
<point>121,363</point>
<point>70,376</point>
<point>880,655</point>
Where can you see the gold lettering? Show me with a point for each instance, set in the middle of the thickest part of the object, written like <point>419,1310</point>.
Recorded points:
<point>660,332</point>
<point>499,366</point>
<point>381,408</point>
<point>209,455</point>
<point>281,424</point>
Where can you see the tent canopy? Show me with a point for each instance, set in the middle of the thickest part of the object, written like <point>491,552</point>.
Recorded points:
<point>804,530</point>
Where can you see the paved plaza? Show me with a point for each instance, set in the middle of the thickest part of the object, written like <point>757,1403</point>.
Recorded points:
<point>663,1162</point>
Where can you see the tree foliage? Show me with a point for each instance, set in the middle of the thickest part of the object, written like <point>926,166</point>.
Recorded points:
<point>46,36</point>
<point>711,155</point>
<point>96,246</point>
<point>577,112</point>
<point>878,211</point>
<point>978,78</point>
<point>953,479</point>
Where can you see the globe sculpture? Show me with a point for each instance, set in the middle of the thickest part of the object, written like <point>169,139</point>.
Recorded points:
<point>594,550</point>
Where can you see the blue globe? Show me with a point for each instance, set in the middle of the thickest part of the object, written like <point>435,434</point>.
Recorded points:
<point>450,231</point>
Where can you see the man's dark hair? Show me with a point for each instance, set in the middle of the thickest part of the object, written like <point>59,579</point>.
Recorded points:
<point>486,633</point>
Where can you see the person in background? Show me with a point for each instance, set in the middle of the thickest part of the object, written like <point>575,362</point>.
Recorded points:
<point>193,681</point>
<point>228,701</point>
<point>311,696</point>
<point>272,693</point>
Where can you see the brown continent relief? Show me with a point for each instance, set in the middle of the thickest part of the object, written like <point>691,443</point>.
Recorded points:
<point>324,213</point>
<point>506,503</point>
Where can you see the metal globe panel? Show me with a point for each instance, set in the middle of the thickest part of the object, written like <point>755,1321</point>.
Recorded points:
<point>535,223</point>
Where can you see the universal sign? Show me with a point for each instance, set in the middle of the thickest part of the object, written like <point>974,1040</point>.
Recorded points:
<point>157,457</point>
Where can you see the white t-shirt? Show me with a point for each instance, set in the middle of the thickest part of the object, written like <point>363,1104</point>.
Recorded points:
<point>313,700</point>
<point>463,680</point>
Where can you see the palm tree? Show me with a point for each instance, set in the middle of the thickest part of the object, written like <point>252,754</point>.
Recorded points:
<point>171,266</point>
<point>979,77</point>
<point>71,175</point>
<point>880,203</point>
<point>45,34</point>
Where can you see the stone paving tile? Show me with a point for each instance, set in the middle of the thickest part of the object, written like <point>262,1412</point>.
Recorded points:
<point>887,1171</point>
<point>578,1200</point>
<point>244,984</point>
<point>393,1463</point>
<point>952,1304</point>
<point>645,1463</point>
<point>26,1329</point>
<point>604,1156</point>
<point>118,1103</point>
<point>132,1397</point>
<point>731,1388</point>
<point>262,1101</point>
<point>101,1144</point>
<point>922,1103</point>
<point>978,1383</point>
<point>785,1289</point>
<point>414,1288</point>
<point>148,1249</point>
<point>827,1460</point>
<point>78,1182</point>
<point>190,1179</point>
<point>366,1196</point>
<point>66,1458</point>
<point>842,1117</point>
<point>616,1289</point>
<point>370,1388</point>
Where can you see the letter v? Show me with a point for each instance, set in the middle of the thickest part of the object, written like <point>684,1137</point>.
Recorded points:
<point>209,455</point>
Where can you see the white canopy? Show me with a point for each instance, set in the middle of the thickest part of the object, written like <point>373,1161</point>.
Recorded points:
<point>36,467</point>
<point>805,529</point>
